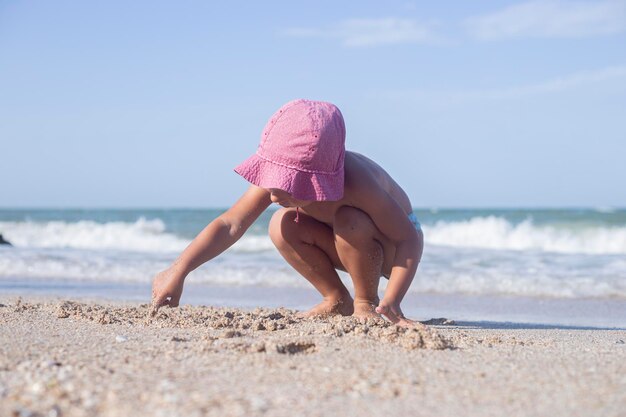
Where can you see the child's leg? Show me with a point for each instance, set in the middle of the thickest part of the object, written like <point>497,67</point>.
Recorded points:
<point>362,249</point>
<point>308,246</point>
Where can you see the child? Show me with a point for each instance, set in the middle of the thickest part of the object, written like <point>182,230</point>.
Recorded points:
<point>340,211</point>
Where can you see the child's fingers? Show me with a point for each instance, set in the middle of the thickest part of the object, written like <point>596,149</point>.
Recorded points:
<point>157,303</point>
<point>154,308</point>
<point>173,302</point>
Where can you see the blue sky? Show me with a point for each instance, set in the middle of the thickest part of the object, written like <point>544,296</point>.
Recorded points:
<point>466,104</point>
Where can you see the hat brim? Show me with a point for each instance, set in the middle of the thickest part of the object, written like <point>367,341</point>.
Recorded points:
<point>301,185</point>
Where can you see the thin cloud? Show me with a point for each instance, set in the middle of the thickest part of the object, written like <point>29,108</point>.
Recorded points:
<point>556,85</point>
<point>551,19</point>
<point>372,32</point>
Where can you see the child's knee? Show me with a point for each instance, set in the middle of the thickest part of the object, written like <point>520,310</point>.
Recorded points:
<point>352,224</point>
<point>281,227</point>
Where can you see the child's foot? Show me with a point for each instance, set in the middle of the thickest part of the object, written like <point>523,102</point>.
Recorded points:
<point>331,307</point>
<point>365,309</point>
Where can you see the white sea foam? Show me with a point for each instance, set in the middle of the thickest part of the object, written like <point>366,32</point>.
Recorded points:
<point>139,236</point>
<point>253,243</point>
<point>605,210</point>
<point>490,232</point>
<point>529,273</point>
<point>443,270</point>
<point>497,233</point>
<point>232,268</point>
<point>142,235</point>
<point>481,255</point>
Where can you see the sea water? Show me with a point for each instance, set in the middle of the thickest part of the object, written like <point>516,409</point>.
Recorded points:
<point>531,254</point>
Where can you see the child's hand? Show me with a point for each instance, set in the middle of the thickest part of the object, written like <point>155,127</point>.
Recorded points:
<point>167,287</point>
<point>393,313</point>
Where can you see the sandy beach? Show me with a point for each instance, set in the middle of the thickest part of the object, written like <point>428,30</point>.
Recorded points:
<point>76,358</point>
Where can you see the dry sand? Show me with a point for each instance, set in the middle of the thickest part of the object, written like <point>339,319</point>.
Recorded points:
<point>68,358</point>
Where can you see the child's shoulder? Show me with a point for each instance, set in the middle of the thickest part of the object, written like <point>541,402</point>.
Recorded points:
<point>361,170</point>
<point>364,178</point>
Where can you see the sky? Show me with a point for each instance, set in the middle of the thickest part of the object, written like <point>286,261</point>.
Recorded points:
<point>466,104</point>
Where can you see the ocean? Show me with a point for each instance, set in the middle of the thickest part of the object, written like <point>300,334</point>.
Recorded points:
<point>517,258</point>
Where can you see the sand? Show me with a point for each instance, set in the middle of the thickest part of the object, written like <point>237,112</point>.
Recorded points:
<point>73,358</point>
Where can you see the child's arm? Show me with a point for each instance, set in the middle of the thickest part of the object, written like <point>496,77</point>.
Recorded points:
<point>218,236</point>
<point>393,222</point>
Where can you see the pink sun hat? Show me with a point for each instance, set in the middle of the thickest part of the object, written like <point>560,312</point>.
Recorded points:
<point>302,152</point>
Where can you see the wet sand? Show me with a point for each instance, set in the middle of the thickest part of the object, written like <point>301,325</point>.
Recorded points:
<point>76,358</point>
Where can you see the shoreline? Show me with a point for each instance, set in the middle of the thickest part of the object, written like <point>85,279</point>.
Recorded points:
<point>76,358</point>
<point>505,310</point>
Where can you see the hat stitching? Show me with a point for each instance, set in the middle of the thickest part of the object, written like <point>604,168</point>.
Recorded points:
<point>273,121</point>
<point>310,171</point>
